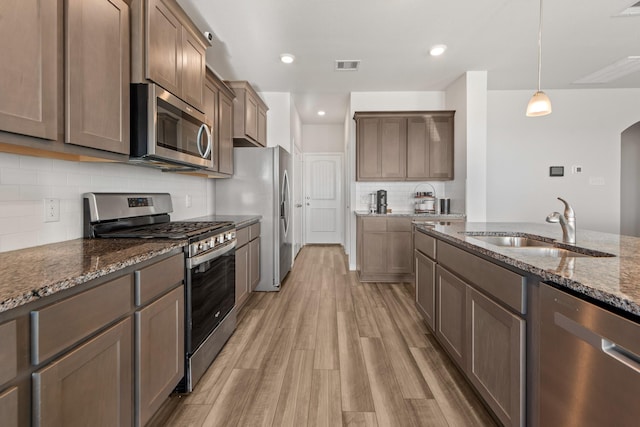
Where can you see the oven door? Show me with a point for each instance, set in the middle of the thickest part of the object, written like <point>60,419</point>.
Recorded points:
<point>166,128</point>
<point>211,284</point>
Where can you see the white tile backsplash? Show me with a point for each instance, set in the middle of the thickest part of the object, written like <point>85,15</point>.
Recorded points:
<point>26,181</point>
<point>400,195</point>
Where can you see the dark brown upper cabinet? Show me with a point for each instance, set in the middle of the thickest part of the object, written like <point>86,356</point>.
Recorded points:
<point>219,112</point>
<point>404,146</point>
<point>168,49</point>
<point>249,116</point>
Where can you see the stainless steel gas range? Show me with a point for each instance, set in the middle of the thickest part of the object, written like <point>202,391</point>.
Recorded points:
<point>209,266</point>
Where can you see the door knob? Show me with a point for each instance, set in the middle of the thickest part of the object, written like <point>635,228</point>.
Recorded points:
<point>298,205</point>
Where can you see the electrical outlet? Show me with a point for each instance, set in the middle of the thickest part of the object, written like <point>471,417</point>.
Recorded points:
<point>51,210</point>
<point>187,200</point>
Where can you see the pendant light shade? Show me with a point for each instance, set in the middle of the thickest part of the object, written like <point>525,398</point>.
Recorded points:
<point>539,104</point>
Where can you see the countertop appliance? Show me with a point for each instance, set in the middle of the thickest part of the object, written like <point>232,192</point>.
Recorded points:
<point>210,318</point>
<point>589,364</point>
<point>260,186</point>
<point>381,202</point>
<point>166,132</point>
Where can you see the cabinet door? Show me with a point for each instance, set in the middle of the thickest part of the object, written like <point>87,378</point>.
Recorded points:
<point>164,47</point>
<point>9,407</point>
<point>425,288</point>
<point>399,251</point>
<point>368,163</point>
<point>225,134</point>
<point>450,312</point>
<point>193,70</point>
<point>211,110</point>
<point>441,147</point>
<point>89,386</point>
<point>242,274</point>
<point>159,352</point>
<point>394,148</point>
<point>250,116</point>
<point>254,263</point>
<point>29,67</point>
<point>97,74</point>
<point>262,127</point>
<point>418,160</point>
<point>374,252</point>
<point>496,365</point>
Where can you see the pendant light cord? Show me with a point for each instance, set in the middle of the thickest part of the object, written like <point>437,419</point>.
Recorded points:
<point>540,48</point>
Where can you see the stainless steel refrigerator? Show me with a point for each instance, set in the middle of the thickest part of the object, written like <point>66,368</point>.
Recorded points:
<point>260,186</point>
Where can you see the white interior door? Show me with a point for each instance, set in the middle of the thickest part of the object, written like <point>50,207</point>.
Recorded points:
<point>323,202</point>
<point>298,212</point>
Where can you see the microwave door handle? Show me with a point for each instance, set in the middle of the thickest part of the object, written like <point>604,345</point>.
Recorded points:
<point>209,141</point>
<point>199,141</point>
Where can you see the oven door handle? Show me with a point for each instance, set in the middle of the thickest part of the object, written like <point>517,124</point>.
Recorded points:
<point>197,260</point>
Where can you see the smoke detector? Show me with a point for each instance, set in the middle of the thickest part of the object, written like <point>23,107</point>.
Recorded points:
<point>347,64</point>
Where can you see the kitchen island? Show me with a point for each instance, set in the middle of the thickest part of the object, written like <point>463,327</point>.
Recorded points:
<point>540,328</point>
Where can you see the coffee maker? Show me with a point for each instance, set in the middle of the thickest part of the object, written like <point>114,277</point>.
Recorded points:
<point>381,202</point>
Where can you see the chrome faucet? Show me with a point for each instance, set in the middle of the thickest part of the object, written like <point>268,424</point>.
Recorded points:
<point>567,222</point>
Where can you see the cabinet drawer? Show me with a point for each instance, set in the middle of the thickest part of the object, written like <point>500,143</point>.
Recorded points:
<point>59,326</point>
<point>8,352</point>
<point>157,278</point>
<point>425,244</point>
<point>254,231</point>
<point>374,224</point>
<point>505,285</point>
<point>242,236</point>
<point>398,224</point>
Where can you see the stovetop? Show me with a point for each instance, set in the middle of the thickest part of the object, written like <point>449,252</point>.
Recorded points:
<point>170,230</point>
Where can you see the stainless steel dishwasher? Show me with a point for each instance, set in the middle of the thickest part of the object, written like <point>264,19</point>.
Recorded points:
<point>589,364</point>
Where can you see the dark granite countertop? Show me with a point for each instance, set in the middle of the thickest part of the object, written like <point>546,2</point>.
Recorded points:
<point>239,220</point>
<point>27,275</point>
<point>416,216</point>
<point>611,280</point>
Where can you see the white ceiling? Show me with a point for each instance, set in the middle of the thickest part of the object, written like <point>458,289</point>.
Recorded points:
<point>392,39</point>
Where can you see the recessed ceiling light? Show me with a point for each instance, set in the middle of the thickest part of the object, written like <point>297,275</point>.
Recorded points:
<point>321,113</point>
<point>438,50</point>
<point>287,58</point>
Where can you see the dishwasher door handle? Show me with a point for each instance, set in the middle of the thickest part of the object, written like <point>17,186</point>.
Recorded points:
<point>610,348</point>
<point>621,354</point>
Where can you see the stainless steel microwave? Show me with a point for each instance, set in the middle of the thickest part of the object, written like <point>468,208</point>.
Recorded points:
<point>166,132</point>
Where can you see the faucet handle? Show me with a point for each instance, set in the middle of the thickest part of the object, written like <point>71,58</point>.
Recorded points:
<point>568,210</point>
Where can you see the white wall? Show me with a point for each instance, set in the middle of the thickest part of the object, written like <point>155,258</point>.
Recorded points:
<point>584,129</point>
<point>322,138</point>
<point>26,181</point>
<point>278,119</point>
<point>378,101</point>
<point>456,99</point>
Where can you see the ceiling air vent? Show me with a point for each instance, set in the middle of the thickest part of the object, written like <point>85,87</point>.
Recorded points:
<point>347,65</point>
<point>618,69</point>
<point>633,10</point>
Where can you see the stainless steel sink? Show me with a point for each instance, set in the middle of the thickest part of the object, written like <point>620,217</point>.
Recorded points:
<point>514,241</point>
<point>534,245</point>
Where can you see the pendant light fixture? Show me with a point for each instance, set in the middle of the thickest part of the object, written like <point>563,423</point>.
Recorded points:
<point>539,104</point>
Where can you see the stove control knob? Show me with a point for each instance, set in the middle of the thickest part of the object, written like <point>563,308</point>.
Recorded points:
<point>205,245</point>
<point>212,242</point>
<point>199,247</point>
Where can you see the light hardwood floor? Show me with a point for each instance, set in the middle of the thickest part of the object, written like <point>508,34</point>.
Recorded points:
<point>328,350</point>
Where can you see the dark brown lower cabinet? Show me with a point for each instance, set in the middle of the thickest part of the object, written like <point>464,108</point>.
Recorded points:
<point>254,263</point>
<point>90,385</point>
<point>495,366</point>
<point>9,407</point>
<point>486,341</point>
<point>451,313</point>
<point>384,248</point>
<point>159,352</point>
<point>242,274</point>
<point>426,288</point>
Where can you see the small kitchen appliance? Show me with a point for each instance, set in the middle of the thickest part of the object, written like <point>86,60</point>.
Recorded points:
<point>373,203</point>
<point>381,202</point>
<point>210,316</point>
<point>425,202</point>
